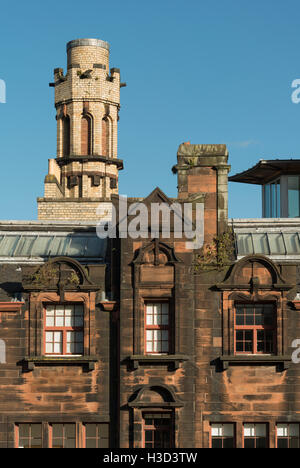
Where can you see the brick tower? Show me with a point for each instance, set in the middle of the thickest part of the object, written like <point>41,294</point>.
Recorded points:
<point>87,102</point>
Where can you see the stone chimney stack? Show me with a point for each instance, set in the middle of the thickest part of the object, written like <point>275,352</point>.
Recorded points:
<point>203,174</point>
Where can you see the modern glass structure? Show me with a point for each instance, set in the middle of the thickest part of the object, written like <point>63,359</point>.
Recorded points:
<point>280,181</point>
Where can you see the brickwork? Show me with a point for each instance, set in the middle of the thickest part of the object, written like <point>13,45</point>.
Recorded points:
<point>51,393</point>
<point>66,209</point>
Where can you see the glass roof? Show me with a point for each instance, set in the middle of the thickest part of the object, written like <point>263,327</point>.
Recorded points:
<point>268,243</point>
<point>69,245</point>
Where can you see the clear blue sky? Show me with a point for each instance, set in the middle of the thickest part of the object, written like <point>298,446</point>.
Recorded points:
<point>198,71</point>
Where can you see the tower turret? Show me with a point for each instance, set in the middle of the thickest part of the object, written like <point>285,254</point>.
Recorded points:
<point>87,102</point>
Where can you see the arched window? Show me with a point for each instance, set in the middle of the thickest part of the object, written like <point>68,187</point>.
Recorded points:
<point>105,137</point>
<point>86,135</point>
<point>66,136</point>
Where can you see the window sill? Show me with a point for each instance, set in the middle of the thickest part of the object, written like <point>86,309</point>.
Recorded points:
<point>88,362</point>
<point>282,362</point>
<point>173,360</point>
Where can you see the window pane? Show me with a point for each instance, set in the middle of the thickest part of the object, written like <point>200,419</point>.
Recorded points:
<point>49,337</point>
<point>228,430</point>
<point>282,430</point>
<point>103,430</point>
<point>283,443</point>
<point>57,443</point>
<point>78,348</point>
<point>157,346</point>
<point>58,348</point>
<point>57,430</point>
<point>78,321</point>
<point>70,443</point>
<point>91,430</point>
<point>260,243</point>
<point>294,430</point>
<point>69,310</point>
<point>258,315</point>
<point>36,430</point>
<point>216,430</point>
<point>293,196</point>
<point>244,244</point>
<point>228,442</point>
<point>260,430</point>
<point>294,442</point>
<point>273,200</point>
<point>23,443</point>
<point>49,321</point>
<point>278,211</point>
<point>70,337</point>
<point>36,443</point>
<point>149,347</point>
<point>292,243</point>
<point>24,430</point>
<point>59,321</point>
<point>249,430</point>
<point>261,442</point>
<point>267,200</point>
<point>69,430</point>
<point>276,244</point>
<point>103,443</point>
<point>217,443</point>
<point>165,347</point>
<point>69,321</point>
<point>240,316</point>
<point>79,337</point>
<point>249,316</point>
<point>91,443</point>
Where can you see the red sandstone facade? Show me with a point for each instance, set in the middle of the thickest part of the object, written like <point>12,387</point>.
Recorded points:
<point>142,342</point>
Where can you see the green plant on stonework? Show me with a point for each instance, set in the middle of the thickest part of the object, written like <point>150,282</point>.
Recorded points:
<point>45,275</point>
<point>216,254</point>
<point>73,278</point>
<point>191,162</point>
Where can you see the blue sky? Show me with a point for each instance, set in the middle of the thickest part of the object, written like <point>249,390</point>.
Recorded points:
<point>198,71</point>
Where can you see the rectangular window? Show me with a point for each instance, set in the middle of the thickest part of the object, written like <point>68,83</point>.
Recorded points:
<point>255,436</point>
<point>272,199</point>
<point>63,331</point>
<point>28,435</point>
<point>222,436</point>
<point>96,435</point>
<point>62,435</point>
<point>287,436</point>
<point>255,329</point>
<point>158,430</point>
<point>157,329</point>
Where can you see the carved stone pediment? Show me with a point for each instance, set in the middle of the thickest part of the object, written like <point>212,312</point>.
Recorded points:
<point>255,272</point>
<point>156,253</point>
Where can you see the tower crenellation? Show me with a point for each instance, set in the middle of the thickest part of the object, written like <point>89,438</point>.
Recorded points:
<point>87,101</point>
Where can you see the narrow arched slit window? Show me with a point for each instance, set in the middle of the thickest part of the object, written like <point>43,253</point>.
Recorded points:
<point>86,135</point>
<point>105,137</point>
<point>66,136</point>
